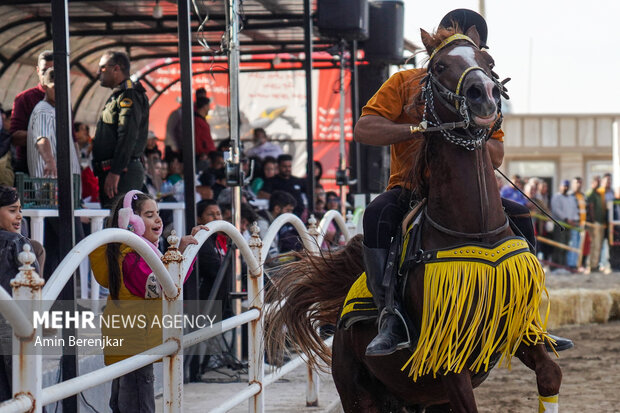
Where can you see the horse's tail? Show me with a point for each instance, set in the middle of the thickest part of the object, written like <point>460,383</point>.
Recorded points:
<point>307,294</point>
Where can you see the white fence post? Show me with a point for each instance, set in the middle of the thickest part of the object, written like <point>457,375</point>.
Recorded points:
<point>256,295</point>
<point>351,225</point>
<point>173,306</point>
<point>27,372</point>
<point>312,386</point>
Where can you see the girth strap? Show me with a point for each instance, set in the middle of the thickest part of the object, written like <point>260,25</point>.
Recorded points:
<point>459,234</point>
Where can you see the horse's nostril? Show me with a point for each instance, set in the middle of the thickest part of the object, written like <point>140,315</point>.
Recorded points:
<point>474,93</point>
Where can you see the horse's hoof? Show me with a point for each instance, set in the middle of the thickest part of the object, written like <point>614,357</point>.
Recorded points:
<point>561,344</point>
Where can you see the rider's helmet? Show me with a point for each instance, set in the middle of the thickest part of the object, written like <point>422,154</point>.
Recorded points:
<point>466,18</point>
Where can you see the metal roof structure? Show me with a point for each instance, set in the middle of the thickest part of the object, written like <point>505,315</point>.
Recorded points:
<point>268,27</point>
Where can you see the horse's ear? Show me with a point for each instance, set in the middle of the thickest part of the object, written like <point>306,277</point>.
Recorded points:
<point>472,33</point>
<point>427,41</point>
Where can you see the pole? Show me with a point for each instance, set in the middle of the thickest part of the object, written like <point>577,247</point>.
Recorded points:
<point>310,182</point>
<point>60,40</point>
<point>188,146</point>
<point>187,112</point>
<point>342,164</point>
<point>234,164</point>
<point>355,114</point>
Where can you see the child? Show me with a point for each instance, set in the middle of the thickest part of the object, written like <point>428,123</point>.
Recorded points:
<point>11,244</point>
<point>131,281</point>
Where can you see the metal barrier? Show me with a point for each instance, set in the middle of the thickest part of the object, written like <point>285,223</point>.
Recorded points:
<point>29,291</point>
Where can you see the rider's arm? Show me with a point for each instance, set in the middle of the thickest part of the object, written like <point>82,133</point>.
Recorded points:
<point>379,131</point>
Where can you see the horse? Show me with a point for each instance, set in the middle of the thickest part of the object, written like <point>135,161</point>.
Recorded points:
<point>470,316</point>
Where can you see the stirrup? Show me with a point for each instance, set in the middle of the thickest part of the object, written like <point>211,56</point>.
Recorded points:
<point>396,312</point>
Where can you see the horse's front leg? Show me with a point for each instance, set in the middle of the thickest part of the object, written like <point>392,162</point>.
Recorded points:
<point>460,392</point>
<point>548,375</point>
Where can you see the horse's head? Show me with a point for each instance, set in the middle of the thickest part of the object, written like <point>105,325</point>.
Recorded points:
<point>460,85</point>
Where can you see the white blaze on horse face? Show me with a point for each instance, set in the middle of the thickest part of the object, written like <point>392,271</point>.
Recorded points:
<point>466,53</point>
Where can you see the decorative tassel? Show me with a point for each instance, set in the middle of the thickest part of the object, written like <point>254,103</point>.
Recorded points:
<point>484,295</point>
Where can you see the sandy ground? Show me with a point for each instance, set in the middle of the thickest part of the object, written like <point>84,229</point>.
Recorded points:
<point>591,376</point>
<point>591,370</point>
<point>591,373</point>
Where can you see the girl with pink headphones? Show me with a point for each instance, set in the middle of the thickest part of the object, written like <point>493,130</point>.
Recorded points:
<point>131,281</point>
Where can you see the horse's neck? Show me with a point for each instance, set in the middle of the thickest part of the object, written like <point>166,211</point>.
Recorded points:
<point>463,194</point>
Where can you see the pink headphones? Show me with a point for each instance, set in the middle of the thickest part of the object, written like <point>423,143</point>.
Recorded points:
<point>126,217</point>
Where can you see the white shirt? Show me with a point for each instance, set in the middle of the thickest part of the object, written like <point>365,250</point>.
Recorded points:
<point>264,150</point>
<point>42,123</point>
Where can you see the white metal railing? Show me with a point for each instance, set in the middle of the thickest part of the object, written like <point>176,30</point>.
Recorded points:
<point>28,291</point>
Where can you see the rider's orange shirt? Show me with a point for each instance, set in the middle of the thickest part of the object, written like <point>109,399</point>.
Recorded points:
<point>395,101</point>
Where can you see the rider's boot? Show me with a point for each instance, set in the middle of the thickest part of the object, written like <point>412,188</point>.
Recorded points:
<point>392,334</point>
<point>520,216</point>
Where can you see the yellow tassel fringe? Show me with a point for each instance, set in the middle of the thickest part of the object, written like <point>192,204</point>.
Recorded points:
<point>464,305</point>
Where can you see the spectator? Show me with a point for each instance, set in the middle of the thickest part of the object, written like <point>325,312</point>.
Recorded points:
<point>220,182</point>
<point>318,172</point>
<point>90,183</point>
<point>511,193</point>
<point>216,160</point>
<point>607,195</point>
<point>597,219</point>
<point>269,170</point>
<point>41,135</point>
<point>575,234</point>
<point>332,201</point>
<point>285,181</point>
<point>41,144</point>
<point>280,203</point>
<point>564,208</point>
<point>151,145</point>
<point>130,279</point>
<point>153,181</point>
<point>212,254</point>
<point>262,147</point>
<point>11,244</point>
<point>174,183</point>
<point>206,180</point>
<point>203,140</point>
<point>320,201</point>
<point>224,145</point>
<point>22,108</point>
<point>122,130</point>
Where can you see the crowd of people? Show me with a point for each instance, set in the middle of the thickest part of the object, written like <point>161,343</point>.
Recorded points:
<point>582,214</point>
<point>125,168</point>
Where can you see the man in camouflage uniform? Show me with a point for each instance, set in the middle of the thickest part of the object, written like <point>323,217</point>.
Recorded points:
<point>122,130</point>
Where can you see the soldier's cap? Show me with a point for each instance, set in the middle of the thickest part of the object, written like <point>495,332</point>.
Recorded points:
<point>466,18</point>
<point>48,77</point>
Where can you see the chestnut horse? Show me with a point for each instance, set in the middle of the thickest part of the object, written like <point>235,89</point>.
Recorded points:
<point>470,315</point>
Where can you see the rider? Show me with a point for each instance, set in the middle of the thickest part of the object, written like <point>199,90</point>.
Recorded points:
<point>386,120</point>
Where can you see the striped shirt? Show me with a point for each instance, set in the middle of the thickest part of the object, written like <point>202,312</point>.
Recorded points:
<point>42,123</point>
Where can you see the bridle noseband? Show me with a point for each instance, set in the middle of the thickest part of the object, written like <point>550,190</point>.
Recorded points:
<point>470,138</point>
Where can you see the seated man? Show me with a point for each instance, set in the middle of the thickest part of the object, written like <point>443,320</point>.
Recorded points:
<point>386,120</point>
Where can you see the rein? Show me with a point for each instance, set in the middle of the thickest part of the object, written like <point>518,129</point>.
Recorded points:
<point>459,234</point>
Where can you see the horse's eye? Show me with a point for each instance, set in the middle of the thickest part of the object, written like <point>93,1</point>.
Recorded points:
<point>491,65</point>
<point>439,67</point>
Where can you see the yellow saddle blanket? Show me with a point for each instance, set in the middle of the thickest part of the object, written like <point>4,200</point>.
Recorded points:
<point>497,289</point>
<point>359,305</point>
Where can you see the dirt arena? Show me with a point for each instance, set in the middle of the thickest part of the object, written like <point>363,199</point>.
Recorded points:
<point>591,370</point>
